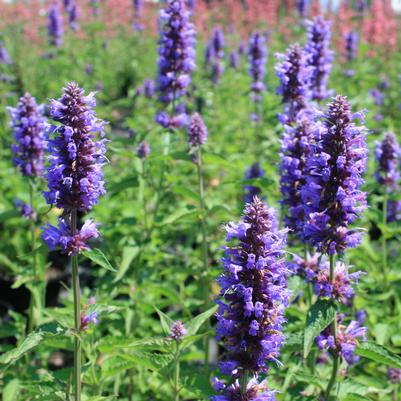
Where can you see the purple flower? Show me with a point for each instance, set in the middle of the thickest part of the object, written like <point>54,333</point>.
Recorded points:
<point>393,210</point>
<point>257,58</point>
<point>346,340</point>
<point>360,316</point>
<point>253,292</point>
<point>215,54</point>
<point>320,57</point>
<point>388,157</point>
<point>234,60</point>
<point>149,88</point>
<point>29,125</point>
<point>26,210</point>
<point>377,96</point>
<point>307,268</point>
<point>340,288</point>
<point>302,6</point>
<point>296,144</point>
<point>331,194</point>
<point>74,176</point>
<point>55,24</point>
<point>88,69</point>
<point>178,331</point>
<point>87,319</point>
<point>295,76</point>
<point>176,52</point>
<point>4,55</point>
<point>351,39</point>
<point>254,391</point>
<point>61,238</point>
<point>197,131</point>
<point>143,150</point>
<point>73,15</point>
<point>394,375</point>
<point>250,191</point>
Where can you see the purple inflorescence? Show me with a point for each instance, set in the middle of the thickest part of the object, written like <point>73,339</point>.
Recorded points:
<point>351,39</point>
<point>257,57</point>
<point>29,126</point>
<point>254,391</point>
<point>393,210</point>
<point>61,237</point>
<point>302,7</point>
<point>177,331</point>
<point>197,131</point>
<point>388,157</point>
<point>149,88</point>
<point>377,96</point>
<point>296,144</point>
<point>55,24</point>
<point>73,15</point>
<point>215,54</point>
<point>234,60</point>
<point>295,76</point>
<point>26,210</point>
<point>75,177</point>
<point>331,194</point>
<point>176,56</point>
<point>137,6</point>
<point>4,55</point>
<point>394,375</point>
<point>253,292</point>
<point>250,191</point>
<point>320,57</point>
<point>143,150</point>
<point>87,319</point>
<point>346,339</point>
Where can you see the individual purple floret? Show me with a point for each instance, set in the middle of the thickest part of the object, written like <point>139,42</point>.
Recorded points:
<point>340,287</point>
<point>253,292</point>
<point>55,24</point>
<point>296,144</point>
<point>176,54</point>
<point>257,58</point>
<point>254,391</point>
<point>178,331</point>
<point>26,210</point>
<point>143,150</point>
<point>4,55</point>
<point>29,125</point>
<point>394,375</point>
<point>351,39</point>
<point>307,268</point>
<point>250,191</point>
<point>61,238</point>
<point>75,177</point>
<point>197,131</point>
<point>302,7</point>
<point>295,76</point>
<point>215,54</point>
<point>346,340</point>
<point>388,157</point>
<point>360,316</point>
<point>320,57</point>
<point>331,194</point>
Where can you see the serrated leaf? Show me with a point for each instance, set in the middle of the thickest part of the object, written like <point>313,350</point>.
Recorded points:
<point>378,353</point>
<point>129,253</point>
<point>319,316</point>
<point>148,344</point>
<point>165,321</point>
<point>179,214</point>
<point>98,257</point>
<point>195,324</point>
<point>149,360</point>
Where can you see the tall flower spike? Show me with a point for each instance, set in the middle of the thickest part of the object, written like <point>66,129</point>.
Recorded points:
<point>388,157</point>
<point>250,191</point>
<point>176,56</point>
<point>197,131</point>
<point>4,55</point>
<point>295,76</point>
<point>320,57</point>
<point>296,144</point>
<point>55,25</point>
<point>253,292</point>
<point>331,194</point>
<point>73,15</point>
<point>215,54</point>
<point>302,6</point>
<point>351,40</point>
<point>257,57</point>
<point>29,126</point>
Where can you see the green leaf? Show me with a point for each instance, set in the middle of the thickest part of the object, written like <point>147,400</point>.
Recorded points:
<point>179,214</point>
<point>378,353</point>
<point>355,397</point>
<point>98,257</point>
<point>164,320</point>
<point>123,184</point>
<point>194,325</point>
<point>129,253</point>
<point>11,390</point>
<point>149,360</point>
<point>319,316</point>
<point>187,193</point>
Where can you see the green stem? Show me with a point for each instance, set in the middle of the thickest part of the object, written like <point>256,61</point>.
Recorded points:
<point>77,315</point>
<point>384,241</point>
<point>244,382</point>
<point>395,392</point>
<point>143,200</point>
<point>177,373</point>
<point>334,330</point>
<point>31,315</point>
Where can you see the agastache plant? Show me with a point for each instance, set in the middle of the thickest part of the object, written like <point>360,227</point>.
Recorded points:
<point>252,301</point>
<point>4,55</point>
<point>75,182</point>
<point>257,58</point>
<point>176,60</point>
<point>351,42</point>
<point>320,56</point>
<point>137,6</point>
<point>55,24</point>
<point>215,55</point>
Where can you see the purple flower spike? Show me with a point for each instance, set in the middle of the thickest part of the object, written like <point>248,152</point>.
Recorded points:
<point>55,24</point>
<point>197,131</point>
<point>320,57</point>
<point>351,40</point>
<point>4,55</point>
<point>176,52</point>
<point>28,125</point>
<point>215,54</point>
<point>73,15</point>
<point>234,60</point>
<point>388,157</point>
<point>302,6</point>
<point>178,331</point>
<point>253,292</point>
<point>331,194</point>
<point>257,57</point>
<point>250,191</point>
<point>75,177</point>
<point>295,76</point>
<point>143,150</point>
